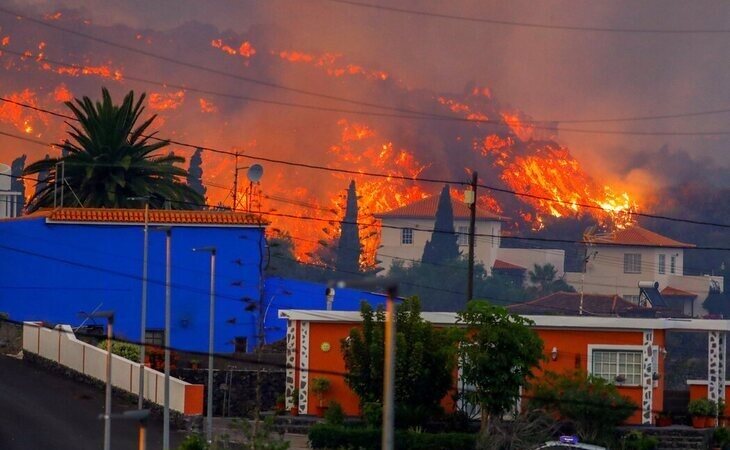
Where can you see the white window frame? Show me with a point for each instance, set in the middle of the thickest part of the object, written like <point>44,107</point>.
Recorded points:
<point>631,268</point>
<point>462,237</point>
<point>406,234</point>
<point>625,348</point>
<point>662,264</point>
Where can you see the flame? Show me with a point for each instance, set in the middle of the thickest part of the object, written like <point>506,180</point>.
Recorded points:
<point>164,101</point>
<point>6,41</point>
<point>550,171</point>
<point>246,49</point>
<point>206,106</point>
<point>458,107</point>
<point>329,63</point>
<point>62,94</point>
<point>22,119</point>
<point>54,16</point>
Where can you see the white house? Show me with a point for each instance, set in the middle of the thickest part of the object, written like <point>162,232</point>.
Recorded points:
<point>616,262</point>
<point>405,231</point>
<point>9,200</point>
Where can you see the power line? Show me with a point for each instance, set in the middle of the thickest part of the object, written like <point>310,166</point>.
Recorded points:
<point>362,173</point>
<point>533,25</point>
<point>405,112</point>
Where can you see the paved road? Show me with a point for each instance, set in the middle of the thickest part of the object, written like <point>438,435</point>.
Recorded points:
<point>44,411</point>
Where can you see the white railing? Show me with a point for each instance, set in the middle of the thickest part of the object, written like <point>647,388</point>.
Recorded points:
<point>61,346</point>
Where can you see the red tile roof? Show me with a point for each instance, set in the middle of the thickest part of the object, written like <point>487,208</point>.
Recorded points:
<point>426,209</point>
<point>674,292</point>
<point>568,304</point>
<point>637,236</point>
<point>156,216</point>
<point>504,265</point>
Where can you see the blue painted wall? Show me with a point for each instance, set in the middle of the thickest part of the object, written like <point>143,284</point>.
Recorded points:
<point>54,272</point>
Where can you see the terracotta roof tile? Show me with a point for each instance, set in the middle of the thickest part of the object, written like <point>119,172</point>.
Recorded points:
<point>637,236</point>
<point>118,215</point>
<point>674,292</point>
<point>504,265</point>
<point>568,304</point>
<point>426,209</point>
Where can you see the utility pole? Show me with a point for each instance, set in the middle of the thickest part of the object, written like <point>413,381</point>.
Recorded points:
<point>235,183</point>
<point>168,295</point>
<point>471,197</point>
<point>389,370</point>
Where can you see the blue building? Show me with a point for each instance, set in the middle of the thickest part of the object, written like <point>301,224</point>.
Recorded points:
<point>58,265</point>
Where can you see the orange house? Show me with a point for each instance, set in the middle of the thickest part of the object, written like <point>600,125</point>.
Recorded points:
<point>627,351</point>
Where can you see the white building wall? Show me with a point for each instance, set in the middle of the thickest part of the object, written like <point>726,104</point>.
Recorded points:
<point>486,246</point>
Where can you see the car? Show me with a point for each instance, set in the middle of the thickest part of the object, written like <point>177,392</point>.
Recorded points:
<point>557,445</point>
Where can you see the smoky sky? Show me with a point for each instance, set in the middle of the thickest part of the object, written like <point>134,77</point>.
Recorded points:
<point>549,74</point>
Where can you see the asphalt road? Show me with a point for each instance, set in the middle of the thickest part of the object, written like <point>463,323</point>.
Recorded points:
<point>44,411</point>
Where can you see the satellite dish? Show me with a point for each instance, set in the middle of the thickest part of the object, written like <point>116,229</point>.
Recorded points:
<point>255,172</point>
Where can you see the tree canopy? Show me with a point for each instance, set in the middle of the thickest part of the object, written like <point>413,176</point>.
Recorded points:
<point>110,158</point>
<point>425,360</point>
<point>443,245</point>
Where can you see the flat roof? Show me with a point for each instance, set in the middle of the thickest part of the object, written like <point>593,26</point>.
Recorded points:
<point>561,322</point>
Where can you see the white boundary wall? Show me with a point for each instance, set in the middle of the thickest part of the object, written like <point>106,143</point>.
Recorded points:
<point>61,346</point>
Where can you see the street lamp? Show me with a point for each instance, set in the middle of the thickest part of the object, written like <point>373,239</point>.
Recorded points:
<point>143,314</point>
<point>211,338</point>
<point>109,316</point>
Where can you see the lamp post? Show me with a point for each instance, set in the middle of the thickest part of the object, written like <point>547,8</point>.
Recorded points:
<point>168,295</point>
<point>109,316</point>
<point>143,314</point>
<point>211,339</point>
<point>168,312</point>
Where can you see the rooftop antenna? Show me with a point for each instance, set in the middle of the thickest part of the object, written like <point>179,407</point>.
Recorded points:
<point>254,174</point>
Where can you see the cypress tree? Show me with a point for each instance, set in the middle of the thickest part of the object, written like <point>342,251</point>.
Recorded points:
<point>195,173</point>
<point>42,179</point>
<point>443,245</point>
<point>348,247</point>
<point>17,184</point>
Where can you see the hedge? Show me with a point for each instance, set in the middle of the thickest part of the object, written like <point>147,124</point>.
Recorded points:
<point>323,436</point>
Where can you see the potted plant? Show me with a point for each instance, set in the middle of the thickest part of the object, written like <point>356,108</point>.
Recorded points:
<point>721,413</point>
<point>320,386</point>
<point>700,409</point>
<point>280,399</point>
<point>295,402</point>
<point>663,419</point>
<point>711,417</point>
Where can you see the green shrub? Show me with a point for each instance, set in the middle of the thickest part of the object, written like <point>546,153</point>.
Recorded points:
<point>636,440</point>
<point>123,349</point>
<point>193,442</point>
<point>702,407</point>
<point>593,404</point>
<point>721,437</point>
<point>323,436</point>
<point>373,414</point>
<point>334,414</point>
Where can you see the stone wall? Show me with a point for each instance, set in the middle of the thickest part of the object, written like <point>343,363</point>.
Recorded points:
<point>242,389</point>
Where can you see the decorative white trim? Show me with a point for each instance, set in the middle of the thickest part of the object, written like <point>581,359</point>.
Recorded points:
<point>291,360</point>
<point>723,361</point>
<point>303,367</point>
<point>647,381</point>
<point>715,346</point>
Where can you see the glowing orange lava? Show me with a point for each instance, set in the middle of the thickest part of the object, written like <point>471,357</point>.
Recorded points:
<point>160,101</point>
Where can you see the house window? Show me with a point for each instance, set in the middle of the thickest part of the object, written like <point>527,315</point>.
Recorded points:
<point>673,264</point>
<point>240,344</point>
<point>632,262</point>
<point>406,236</point>
<point>155,337</point>
<point>609,364</point>
<point>632,298</point>
<point>662,266</point>
<point>463,236</point>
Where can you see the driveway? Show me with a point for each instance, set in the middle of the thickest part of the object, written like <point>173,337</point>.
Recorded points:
<point>42,410</point>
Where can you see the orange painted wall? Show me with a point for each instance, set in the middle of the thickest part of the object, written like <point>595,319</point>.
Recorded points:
<point>330,365</point>
<point>572,348</point>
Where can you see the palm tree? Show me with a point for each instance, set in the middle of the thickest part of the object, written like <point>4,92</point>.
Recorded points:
<point>109,159</point>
